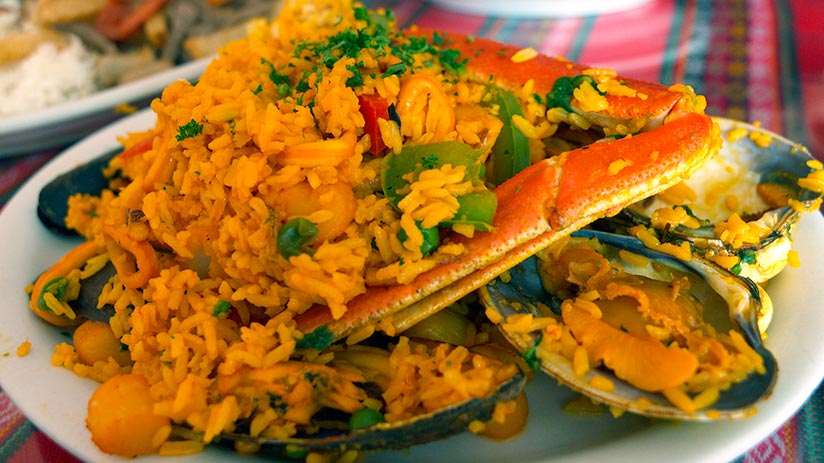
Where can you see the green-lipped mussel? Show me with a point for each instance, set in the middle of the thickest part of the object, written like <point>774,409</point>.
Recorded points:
<point>638,329</point>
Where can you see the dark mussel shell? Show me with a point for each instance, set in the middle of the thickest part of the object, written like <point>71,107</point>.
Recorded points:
<point>523,291</point>
<point>53,200</point>
<point>762,175</point>
<point>425,428</point>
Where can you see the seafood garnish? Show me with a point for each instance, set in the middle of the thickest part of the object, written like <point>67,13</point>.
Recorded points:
<point>740,210</point>
<point>638,329</point>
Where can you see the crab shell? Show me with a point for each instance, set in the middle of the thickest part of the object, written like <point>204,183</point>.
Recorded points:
<point>551,198</point>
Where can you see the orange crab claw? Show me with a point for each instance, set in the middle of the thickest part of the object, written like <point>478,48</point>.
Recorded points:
<point>538,206</point>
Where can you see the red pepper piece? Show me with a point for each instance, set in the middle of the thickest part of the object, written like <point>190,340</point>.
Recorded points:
<point>119,19</point>
<point>373,108</point>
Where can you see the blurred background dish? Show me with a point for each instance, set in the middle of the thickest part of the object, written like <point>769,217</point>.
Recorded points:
<point>70,66</point>
<point>62,124</point>
<point>536,8</point>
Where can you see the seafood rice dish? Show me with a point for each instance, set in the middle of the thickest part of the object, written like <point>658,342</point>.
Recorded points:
<point>287,260</point>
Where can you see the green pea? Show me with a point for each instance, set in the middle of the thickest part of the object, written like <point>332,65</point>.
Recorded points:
<point>295,236</point>
<point>364,418</point>
<point>431,238</point>
<point>296,452</point>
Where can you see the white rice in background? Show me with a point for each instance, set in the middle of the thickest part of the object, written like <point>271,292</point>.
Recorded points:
<point>47,77</point>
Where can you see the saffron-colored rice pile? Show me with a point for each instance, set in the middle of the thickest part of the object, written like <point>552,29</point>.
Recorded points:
<point>206,226</point>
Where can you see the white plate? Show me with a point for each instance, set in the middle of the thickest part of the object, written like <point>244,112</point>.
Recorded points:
<point>55,400</point>
<point>62,124</point>
<point>534,8</point>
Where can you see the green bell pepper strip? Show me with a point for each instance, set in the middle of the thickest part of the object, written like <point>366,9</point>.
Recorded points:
<point>417,158</point>
<point>364,418</point>
<point>431,238</point>
<point>476,209</point>
<point>510,154</point>
<point>295,236</point>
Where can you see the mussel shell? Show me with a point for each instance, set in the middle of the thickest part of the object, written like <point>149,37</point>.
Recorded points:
<point>85,306</point>
<point>523,291</point>
<point>742,165</point>
<point>429,427</point>
<point>53,200</point>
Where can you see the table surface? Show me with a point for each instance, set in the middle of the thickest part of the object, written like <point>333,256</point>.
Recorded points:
<point>755,60</point>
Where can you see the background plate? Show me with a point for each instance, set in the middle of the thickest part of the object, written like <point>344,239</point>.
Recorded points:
<point>67,122</point>
<point>546,8</point>
<point>55,400</point>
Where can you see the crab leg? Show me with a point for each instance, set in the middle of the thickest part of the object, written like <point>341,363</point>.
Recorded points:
<point>541,204</point>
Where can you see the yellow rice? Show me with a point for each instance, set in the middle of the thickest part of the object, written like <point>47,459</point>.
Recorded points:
<point>209,320</point>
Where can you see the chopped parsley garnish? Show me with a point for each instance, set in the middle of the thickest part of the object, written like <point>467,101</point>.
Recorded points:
<point>189,130</point>
<point>319,339</point>
<point>450,59</point>
<point>561,94</point>
<point>430,162</point>
<point>531,355</point>
<point>397,68</point>
<point>378,35</point>
<point>281,81</point>
<point>745,256</point>
<point>357,79</point>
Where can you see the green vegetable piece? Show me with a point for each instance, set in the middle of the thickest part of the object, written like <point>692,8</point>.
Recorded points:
<point>476,209</point>
<point>364,418</point>
<point>295,236</point>
<point>221,308</point>
<point>57,287</point>
<point>510,154</point>
<point>561,94</point>
<point>530,355</point>
<point>431,238</point>
<point>189,130</point>
<point>296,452</point>
<point>319,339</point>
<point>416,158</point>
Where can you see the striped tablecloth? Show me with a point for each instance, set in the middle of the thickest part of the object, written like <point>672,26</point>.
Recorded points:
<point>755,60</point>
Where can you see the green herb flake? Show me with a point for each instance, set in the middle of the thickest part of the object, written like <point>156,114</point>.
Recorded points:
<point>430,162</point>
<point>531,355</point>
<point>319,339</point>
<point>190,129</point>
<point>357,79</point>
<point>395,69</point>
